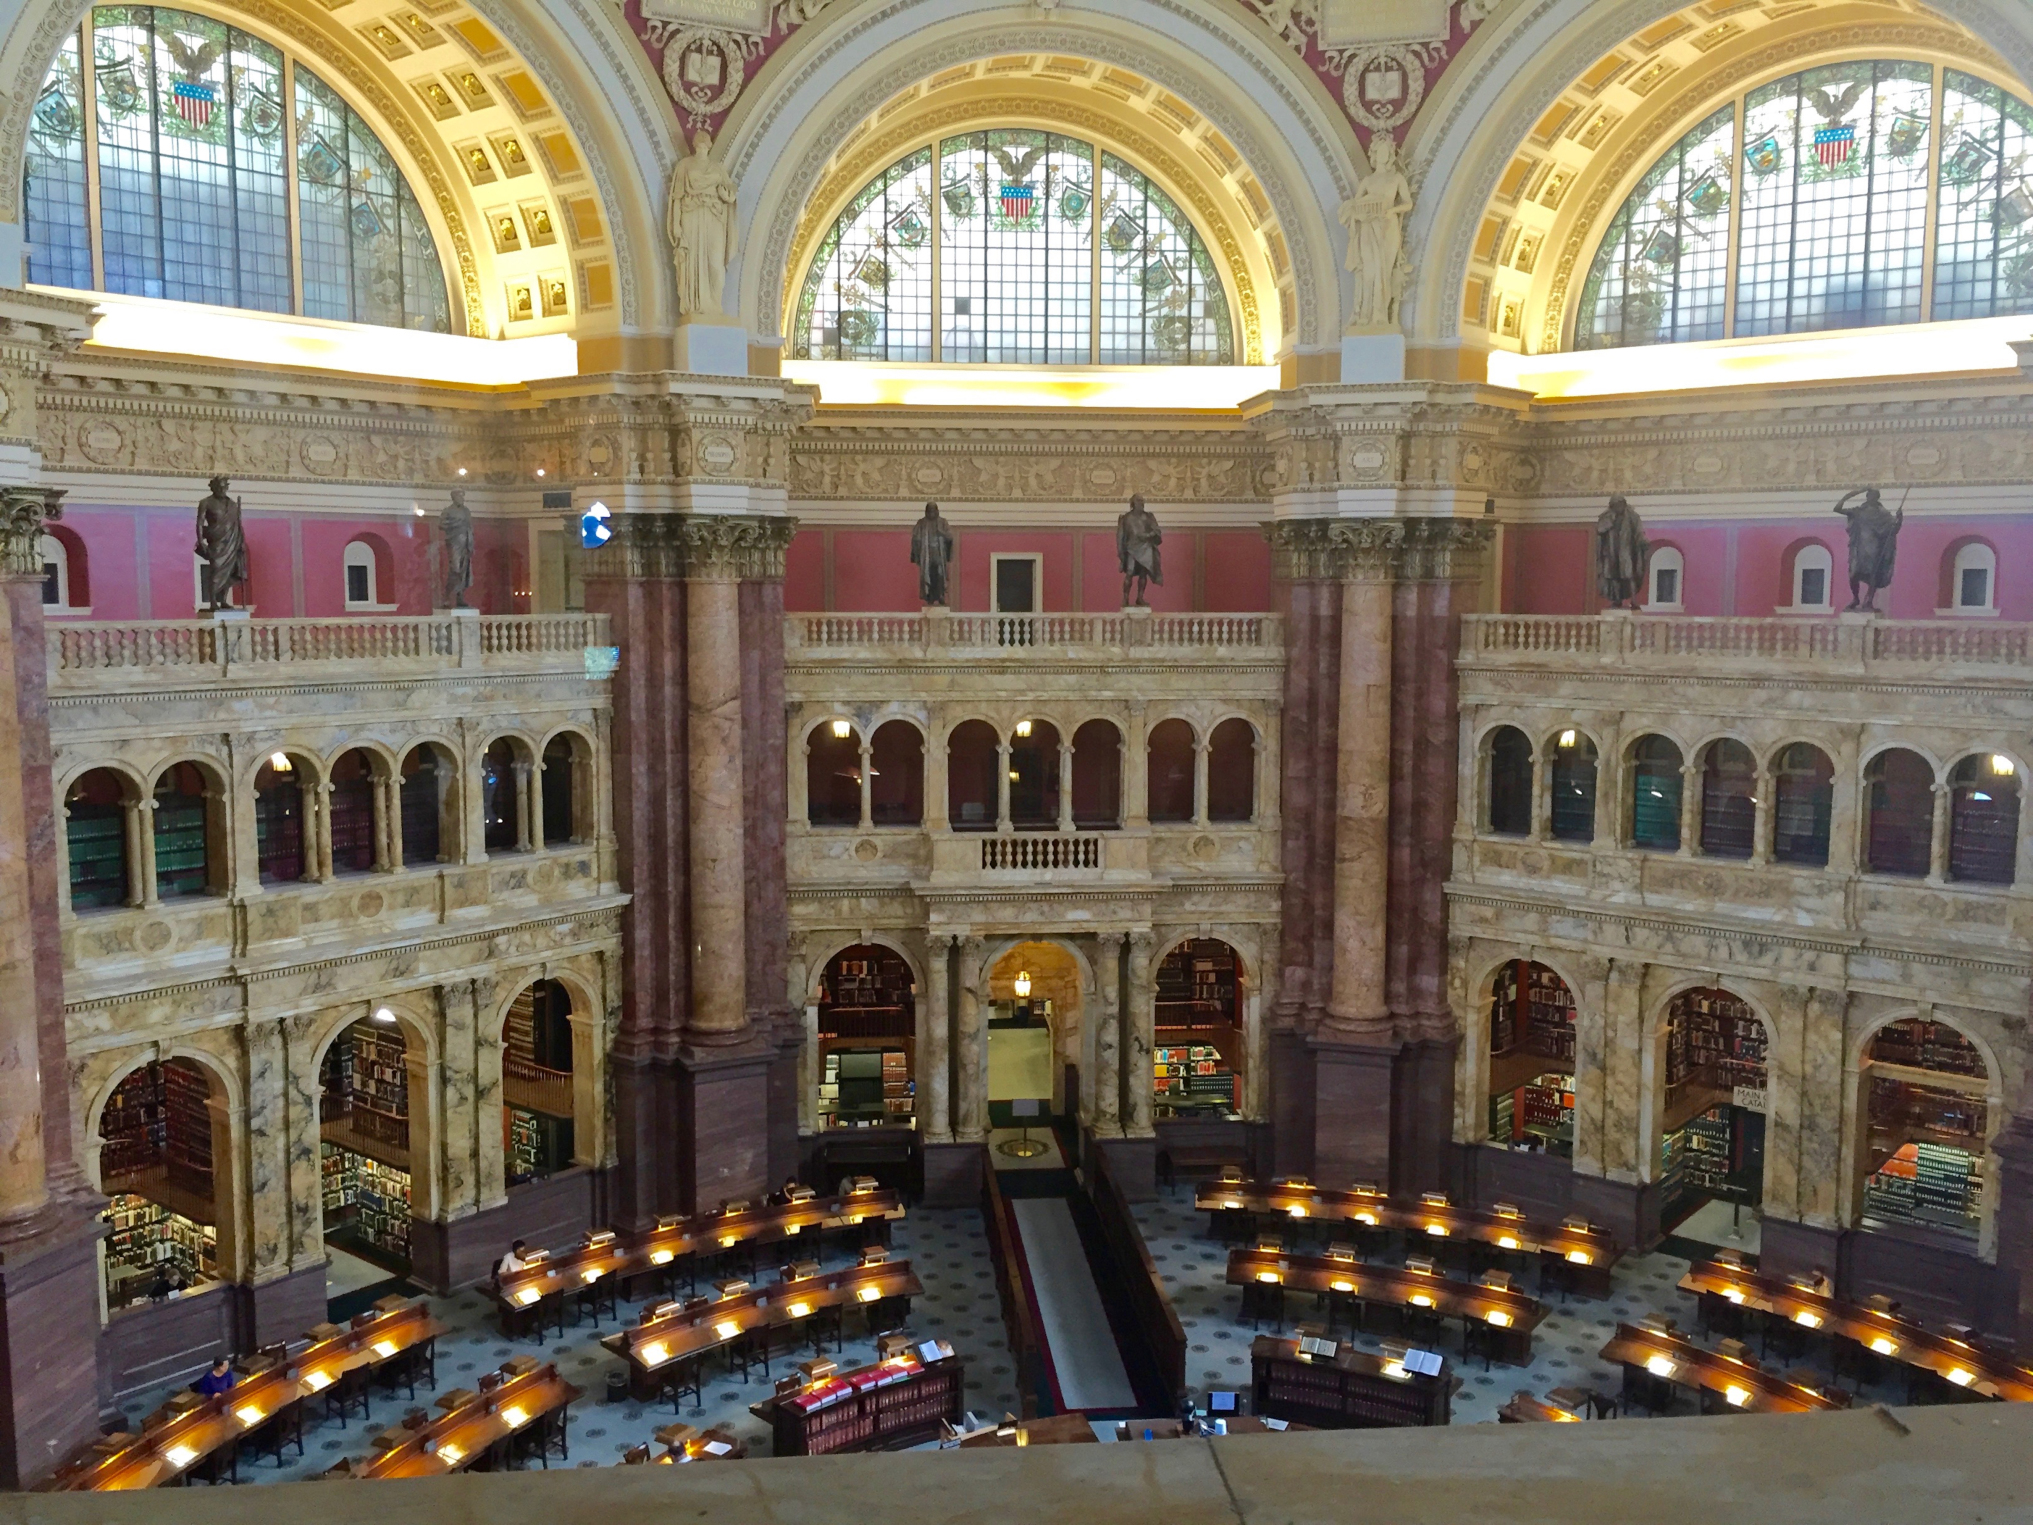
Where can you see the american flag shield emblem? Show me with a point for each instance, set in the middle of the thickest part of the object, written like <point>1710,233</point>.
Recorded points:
<point>194,101</point>
<point>1018,201</point>
<point>1832,145</point>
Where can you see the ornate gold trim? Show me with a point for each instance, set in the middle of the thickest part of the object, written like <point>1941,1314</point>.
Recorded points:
<point>881,149</point>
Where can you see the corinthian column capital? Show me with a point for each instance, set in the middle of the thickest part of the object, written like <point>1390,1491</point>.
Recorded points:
<point>23,512</point>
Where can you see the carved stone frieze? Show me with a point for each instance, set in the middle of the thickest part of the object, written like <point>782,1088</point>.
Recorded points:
<point>1378,550</point>
<point>987,464</point>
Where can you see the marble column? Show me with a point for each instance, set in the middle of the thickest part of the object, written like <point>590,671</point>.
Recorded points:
<point>1690,809</point>
<point>1937,857</point>
<point>525,808</point>
<point>1359,1000</point>
<point>714,872</point>
<point>970,1100</point>
<point>1762,786</point>
<point>1065,783</point>
<point>1141,1035</point>
<point>935,1024</point>
<point>24,1184</point>
<point>867,784</point>
<point>1202,746</point>
<point>1002,755</point>
<point>937,800</point>
<point>1108,1035</point>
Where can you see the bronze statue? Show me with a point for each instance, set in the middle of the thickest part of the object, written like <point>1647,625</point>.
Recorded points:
<point>455,523</point>
<point>1873,544</point>
<point>1621,555</point>
<point>222,545</point>
<point>1137,538</point>
<point>932,554</point>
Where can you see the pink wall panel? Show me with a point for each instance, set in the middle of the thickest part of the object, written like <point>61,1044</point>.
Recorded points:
<point>111,572</point>
<point>1102,574</point>
<point>872,571</point>
<point>1237,578</point>
<point>1549,569</point>
<point>271,567</point>
<point>1705,549</point>
<point>805,572</point>
<point>501,571</point>
<point>403,562</point>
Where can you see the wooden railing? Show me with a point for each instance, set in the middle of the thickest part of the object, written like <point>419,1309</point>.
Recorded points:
<point>1137,1274</point>
<point>1825,645</point>
<point>1026,1340</point>
<point>820,634</point>
<point>93,654</point>
<point>535,1088</point>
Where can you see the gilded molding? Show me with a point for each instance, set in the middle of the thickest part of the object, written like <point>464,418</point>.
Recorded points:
<point>1027,464</point>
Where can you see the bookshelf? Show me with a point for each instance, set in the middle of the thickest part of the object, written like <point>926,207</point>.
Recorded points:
<point>366,1084</point>
<point>134,1127</point>
<point>1714,1039</point>
<point>96,838</point>
<point>1928,1184</point>
<point>366,1199</point>
<point>1531,1039</point>
<point>352,822</point>
<point>867,992</point>
<point>187,1132</point>
<point>1191,1078</point>
<point>182,857</point>
<point>144,1237</point>
<point>538,1144</point>
<point>1917,1045</point>
<point>1196,1060</point>
<point>1197,987</point>
<point>861,1086</point>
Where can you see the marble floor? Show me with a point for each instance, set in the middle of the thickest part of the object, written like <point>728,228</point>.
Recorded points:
<point>947,1247</point>
<point>1566,1348</point>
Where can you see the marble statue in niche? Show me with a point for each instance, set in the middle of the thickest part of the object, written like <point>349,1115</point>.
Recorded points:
<point>932,555</point>
<point>701,221</point>
<point>455,523</point>
<point>1137,538</point>
<point>1873,545</point>
<point>222,544</point>
<point>1375,219</point>
<point>1621,555</point>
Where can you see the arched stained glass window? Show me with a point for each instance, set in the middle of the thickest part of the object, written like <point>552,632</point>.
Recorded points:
<point>1037,249</point>
<point>1847,196</point>
<point>190,125</point>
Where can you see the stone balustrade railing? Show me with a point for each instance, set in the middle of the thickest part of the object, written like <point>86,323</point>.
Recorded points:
<point>824,635</point>
<point>97,655</point>
<point>1042,852</point>
<point>1847,645</point>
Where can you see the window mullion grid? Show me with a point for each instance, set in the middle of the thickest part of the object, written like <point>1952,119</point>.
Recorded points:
<point>155,157</point>
<point>238,274</point>
<point>88,106</point>
<point>1739,184</point>
<point>1930,238</point>
<point>1094,255</point>
<point>293,192</point>
<point>938,252</point>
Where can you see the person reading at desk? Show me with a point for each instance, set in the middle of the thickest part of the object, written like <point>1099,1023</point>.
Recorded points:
<point>512,1261</point>
<point>783,1196</point>
<point>219,1379</point>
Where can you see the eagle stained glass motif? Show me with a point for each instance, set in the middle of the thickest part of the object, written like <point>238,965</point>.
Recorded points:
<point>1046,251</point>
<point>184,118</point>
<point>1828,208</point>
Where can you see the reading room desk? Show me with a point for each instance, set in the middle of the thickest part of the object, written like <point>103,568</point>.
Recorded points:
<point>474,1424</point>
<point>1503,1320</point>
<point>1725,1383</point>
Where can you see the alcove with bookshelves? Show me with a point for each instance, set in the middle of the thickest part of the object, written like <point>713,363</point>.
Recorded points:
<point>1531,1059</point>
<point>364,1159</point>
<point>156,1167</point>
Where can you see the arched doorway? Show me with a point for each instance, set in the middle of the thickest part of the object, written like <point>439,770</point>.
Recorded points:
<point>164,1153</point>
<point>364,1156</point>
<point>538,1101</point>
<point>1926,1116</point>
<point>1712,1142</point>
<point>1033,1034</point>
<point>1531,1060</point>
<point>868,1023</point>
<point>1199,1051</point>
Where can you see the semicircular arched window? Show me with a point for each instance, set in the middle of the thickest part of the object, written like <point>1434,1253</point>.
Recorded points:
<point>1847,196</point>
<point>1037,249</point>
<point>226,172</point>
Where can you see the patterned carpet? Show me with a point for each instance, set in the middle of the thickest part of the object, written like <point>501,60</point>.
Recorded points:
<point>947,1248</point>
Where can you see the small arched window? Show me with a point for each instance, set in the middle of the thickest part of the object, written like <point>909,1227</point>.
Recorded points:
<point>1231,771</point>
<point>1729,780</point>
<point>1983,820</point>
<point>1973,579</point>
<point>1899,801</point>
<point>1803,797</point>
<point>1097,776</point>
<point>1664,589</point>
<point>1171,772</point>
<point>279,820</point>
<point>353,814</point>
<point>95,835</point>
<point>896,782</point>
<point>1574,770</point>
<point>56,573</point>
<point>833,775</point>
<point>1034,781</point>
<point>560,784</point>
<point>1813,578</point>
<point>972,756</point>
<point>1510,782</point>
<point>501,798</point>
<point>424,785</point>
<point>184,817</point>
<point>362,583</point>
<point>1655,795</point>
